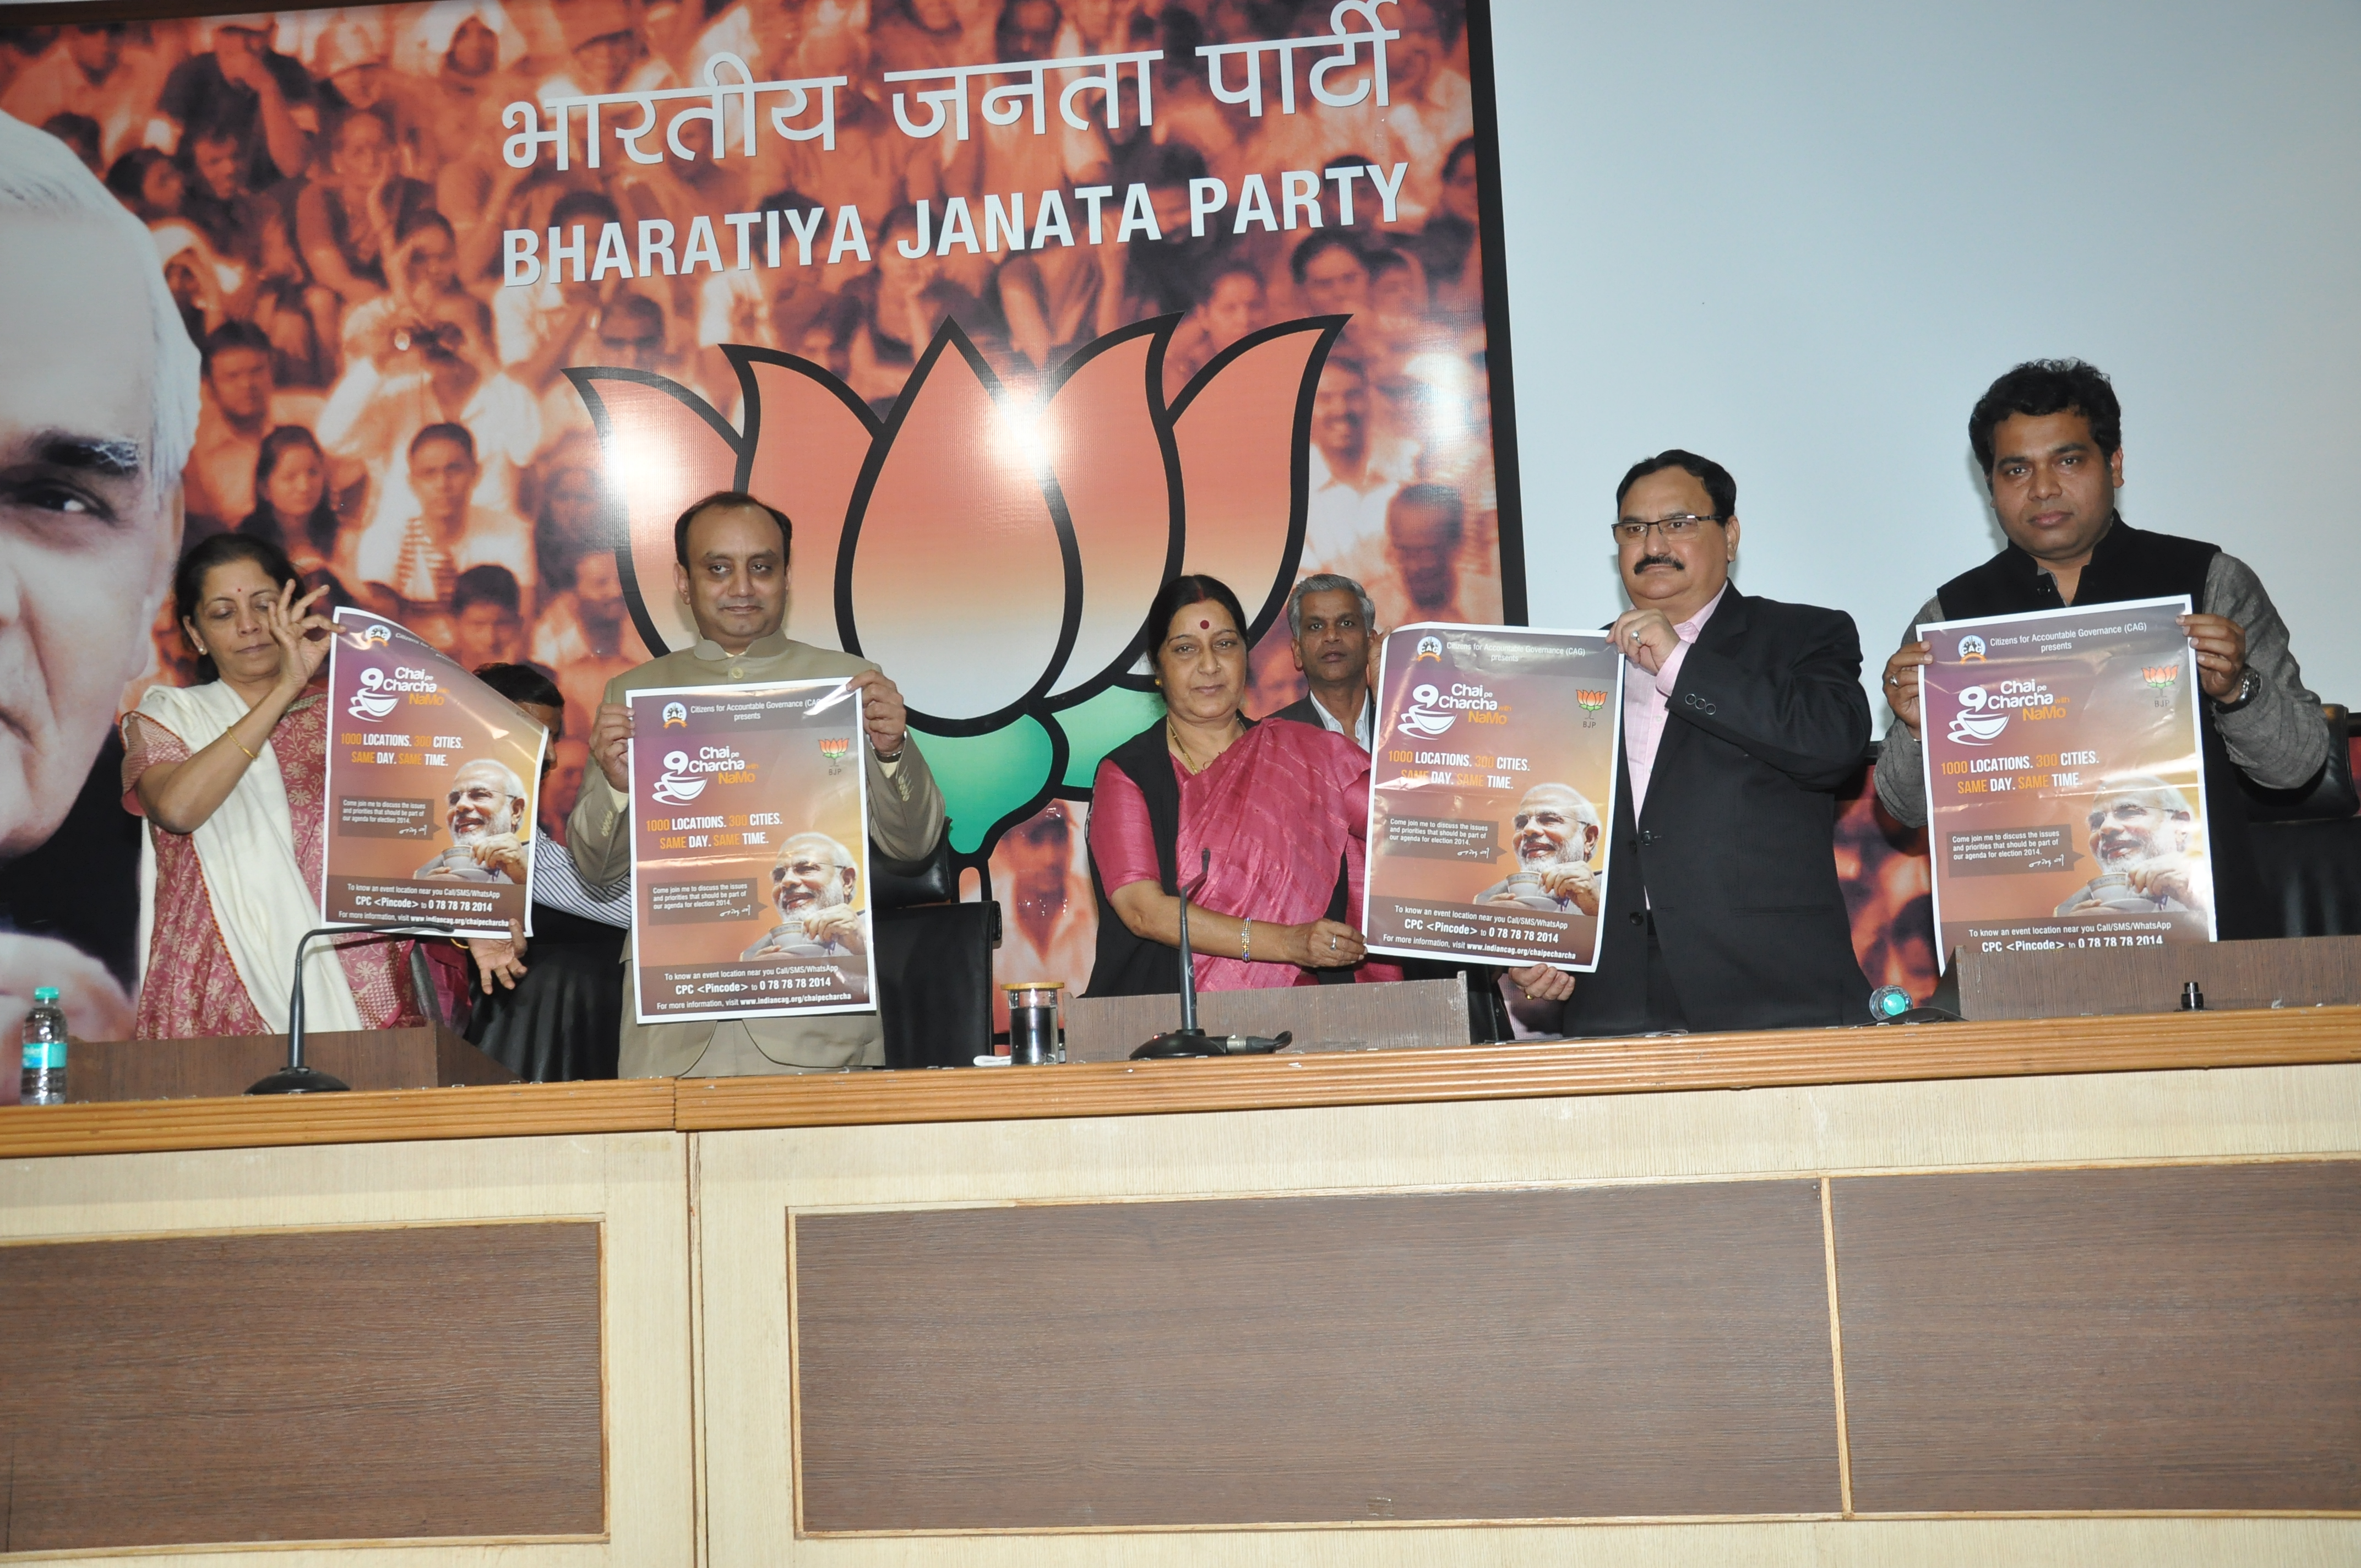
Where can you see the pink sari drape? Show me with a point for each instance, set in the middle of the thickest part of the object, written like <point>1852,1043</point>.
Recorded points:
<point>1280,810</point>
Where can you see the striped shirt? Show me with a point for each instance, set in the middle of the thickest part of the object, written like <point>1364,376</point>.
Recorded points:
<point>556,883</point>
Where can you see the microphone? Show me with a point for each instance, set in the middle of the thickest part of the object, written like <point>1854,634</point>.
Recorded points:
<point>296,1078</point>
<point>1188,1040</point>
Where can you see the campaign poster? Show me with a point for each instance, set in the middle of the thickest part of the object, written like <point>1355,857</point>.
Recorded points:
<point>1491,786</point>
<point>433,778</point>
<point>2066,780</point>
<point>750,862</point>
<point>1014,308</point>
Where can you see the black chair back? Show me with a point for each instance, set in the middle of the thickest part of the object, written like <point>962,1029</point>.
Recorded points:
<point>899,885</point>
<point>2329,798</point>
<point>934,982</point>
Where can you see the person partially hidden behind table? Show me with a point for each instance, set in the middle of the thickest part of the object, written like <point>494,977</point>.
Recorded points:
<point>1282,806</point>
<point>2049,438</point>
<point>812,885</point>
<point>732,572</point>
<point>549,1010</point>
<point>231,776</point>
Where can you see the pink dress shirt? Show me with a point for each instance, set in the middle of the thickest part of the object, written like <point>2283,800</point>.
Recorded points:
<point>1647,702</point>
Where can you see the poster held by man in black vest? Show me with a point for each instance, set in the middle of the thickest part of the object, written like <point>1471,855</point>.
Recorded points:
<point>2048,438</point>
<point>2065,781</point>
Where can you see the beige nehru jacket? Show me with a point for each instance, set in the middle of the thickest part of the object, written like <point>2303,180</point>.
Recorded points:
<point>905,818</point>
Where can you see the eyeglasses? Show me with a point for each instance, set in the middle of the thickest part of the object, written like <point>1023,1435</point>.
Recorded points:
<point>1680,525</point>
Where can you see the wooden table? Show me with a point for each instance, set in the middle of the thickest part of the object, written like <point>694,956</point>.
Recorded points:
<point>2083,1292</point>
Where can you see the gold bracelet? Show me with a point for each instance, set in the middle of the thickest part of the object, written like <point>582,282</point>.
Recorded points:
<point>240,745</point>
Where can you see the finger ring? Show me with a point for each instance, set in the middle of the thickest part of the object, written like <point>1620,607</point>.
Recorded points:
<point>1332,943</point>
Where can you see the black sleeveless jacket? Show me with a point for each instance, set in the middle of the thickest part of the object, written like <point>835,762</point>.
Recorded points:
<point>2130,564</point>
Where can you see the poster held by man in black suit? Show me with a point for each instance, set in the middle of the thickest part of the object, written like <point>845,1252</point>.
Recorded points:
<point>1741,718</point>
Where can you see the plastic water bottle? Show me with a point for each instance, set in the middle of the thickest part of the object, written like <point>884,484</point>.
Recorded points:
<point>45,1050</point>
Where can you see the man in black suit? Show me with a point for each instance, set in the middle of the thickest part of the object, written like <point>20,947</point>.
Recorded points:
<point>1741,717</point>
<point>1331,621</point>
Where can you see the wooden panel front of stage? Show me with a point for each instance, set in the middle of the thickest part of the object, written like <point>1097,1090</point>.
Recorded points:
<point>2085,1292</point>
<point>470,1350</point>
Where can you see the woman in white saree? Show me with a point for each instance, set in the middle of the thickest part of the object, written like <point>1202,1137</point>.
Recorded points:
<point>231,774</point>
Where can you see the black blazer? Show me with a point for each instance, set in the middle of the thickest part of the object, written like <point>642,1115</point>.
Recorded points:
<point>1301,711</point>
<point>1736,845</point>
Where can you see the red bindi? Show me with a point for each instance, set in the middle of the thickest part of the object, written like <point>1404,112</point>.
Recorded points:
<point>1205,626</point>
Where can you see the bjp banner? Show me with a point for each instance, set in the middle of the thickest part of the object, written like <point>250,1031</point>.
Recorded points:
<point>1492,784</point>
<point>1015,310</point>
<point>749,865</point>
<point>2066,780</point>
<point>432,780</point>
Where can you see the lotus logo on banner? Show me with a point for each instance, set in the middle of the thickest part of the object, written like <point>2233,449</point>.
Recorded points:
<point>1973,727</point>
<point>1589,702</point>
<point>834,748</point>
<point>1422,717</point>
<point>2161,676</point>
<point>1097,485</point>
<point>676,785</point>
<point>369,703</point>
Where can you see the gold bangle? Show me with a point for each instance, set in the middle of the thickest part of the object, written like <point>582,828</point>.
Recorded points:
<point>240,745</point>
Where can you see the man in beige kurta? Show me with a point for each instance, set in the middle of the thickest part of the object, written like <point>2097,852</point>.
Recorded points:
<point>732,573</point>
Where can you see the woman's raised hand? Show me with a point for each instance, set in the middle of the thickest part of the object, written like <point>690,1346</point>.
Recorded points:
<point>302,636</point>
<point>1325,944</point>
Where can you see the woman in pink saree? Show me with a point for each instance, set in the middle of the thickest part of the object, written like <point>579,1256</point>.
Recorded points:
<point>1281,806</point>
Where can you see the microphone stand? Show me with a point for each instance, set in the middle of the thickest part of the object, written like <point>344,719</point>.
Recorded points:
<point>1188,1040</point>
<point>296,1078</point>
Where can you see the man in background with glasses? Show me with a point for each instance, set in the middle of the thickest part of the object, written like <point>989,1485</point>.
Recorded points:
<point>1741,717</point>
<point>2049,436</point>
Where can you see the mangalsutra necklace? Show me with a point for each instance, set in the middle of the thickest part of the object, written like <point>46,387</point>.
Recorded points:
<point>1187,760</point>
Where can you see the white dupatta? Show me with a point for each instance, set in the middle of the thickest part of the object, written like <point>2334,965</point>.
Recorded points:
<point>263,904</point>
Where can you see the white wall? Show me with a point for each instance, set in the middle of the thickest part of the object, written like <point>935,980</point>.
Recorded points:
<point>1802,239</point>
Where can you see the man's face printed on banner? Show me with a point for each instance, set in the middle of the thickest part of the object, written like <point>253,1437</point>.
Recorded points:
<point>2134,826</point>
<point>485,800</point>
<point>1550,829</point>
<point>808,876</point>
<point>86,532</point>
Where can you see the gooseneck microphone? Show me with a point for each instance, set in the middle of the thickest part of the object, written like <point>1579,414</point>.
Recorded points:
<point>296,1078</point>
<point>1189,1040</point>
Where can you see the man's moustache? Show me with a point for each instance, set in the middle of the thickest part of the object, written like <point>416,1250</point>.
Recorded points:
<point>1648,561</point>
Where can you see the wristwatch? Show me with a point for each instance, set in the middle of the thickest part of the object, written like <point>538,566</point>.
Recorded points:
<point>2248,684</point>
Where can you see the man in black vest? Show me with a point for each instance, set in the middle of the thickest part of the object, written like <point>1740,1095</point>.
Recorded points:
<point>2049,436</point>
<point>1741,717</point>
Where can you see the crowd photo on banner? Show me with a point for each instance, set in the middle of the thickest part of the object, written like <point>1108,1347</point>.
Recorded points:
<point>425,255</point>
<point>328,192</point>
